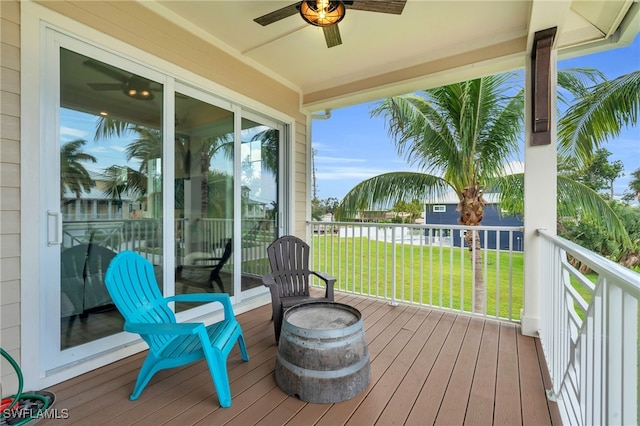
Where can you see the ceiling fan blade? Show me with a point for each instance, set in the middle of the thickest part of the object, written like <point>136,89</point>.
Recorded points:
<point>106,86</point>
<point>332,35</point>
<point>279,14</point>
<point>107,70</point>
<point>382,6</point>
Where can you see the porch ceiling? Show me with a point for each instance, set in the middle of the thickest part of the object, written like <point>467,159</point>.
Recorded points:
<point>431,43</point>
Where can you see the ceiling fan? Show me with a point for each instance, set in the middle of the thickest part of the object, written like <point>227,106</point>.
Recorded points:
<point>130,84</point>
<point>327,14</point>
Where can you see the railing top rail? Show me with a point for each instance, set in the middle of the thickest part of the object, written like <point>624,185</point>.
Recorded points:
<point>418,226</point>
<point>601,265</point>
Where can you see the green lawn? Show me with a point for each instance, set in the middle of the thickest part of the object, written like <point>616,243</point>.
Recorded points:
<point>438,276</point>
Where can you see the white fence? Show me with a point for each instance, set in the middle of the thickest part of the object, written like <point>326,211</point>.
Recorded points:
<point>589,332</point>
<point>423,264</point>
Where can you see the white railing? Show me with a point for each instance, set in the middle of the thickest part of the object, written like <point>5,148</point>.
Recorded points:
<point>589,333</point>
<point>423,264</point>
<point>204,235</point>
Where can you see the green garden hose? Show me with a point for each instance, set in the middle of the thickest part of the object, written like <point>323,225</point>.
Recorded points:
<point>22,414</point>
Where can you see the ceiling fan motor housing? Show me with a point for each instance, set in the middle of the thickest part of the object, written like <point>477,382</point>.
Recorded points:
<point>322,13</point>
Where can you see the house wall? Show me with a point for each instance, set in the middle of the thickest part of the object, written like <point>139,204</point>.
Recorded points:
<point>492,217</point>
<point>131,23</point>
<point>9,186</point>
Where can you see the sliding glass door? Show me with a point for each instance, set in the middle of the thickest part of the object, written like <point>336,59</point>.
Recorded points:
<point>110,187</point>
<point>203,204</point>
<point>136,160</point>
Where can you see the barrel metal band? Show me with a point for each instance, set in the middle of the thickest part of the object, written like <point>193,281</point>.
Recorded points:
<point>324,374</point>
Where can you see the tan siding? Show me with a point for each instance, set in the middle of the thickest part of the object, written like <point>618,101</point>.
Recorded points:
<point>9,245</point>
<point>10,127</point>
<point>10,104</point>
<point>10,32</point>
<point>9,199</point>
<point>9,174</point>
<point>10,150</point>
<point>9,222</point>
<point>10,269</point>
<point>10,184</point>
<point>10,56</point>
<point>10,335</point>
<point>10,10</point>
<point>9,80</point>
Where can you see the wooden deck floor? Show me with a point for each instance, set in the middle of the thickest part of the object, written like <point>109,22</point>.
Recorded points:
<point>427,367</point>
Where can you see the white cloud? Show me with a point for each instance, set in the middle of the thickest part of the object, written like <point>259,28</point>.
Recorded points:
<point>97,149</point>
<point>321,158</point>
<point>71,133</point>
<point>343,173</point>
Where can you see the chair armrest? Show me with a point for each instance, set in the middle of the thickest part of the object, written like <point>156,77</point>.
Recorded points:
<point>268,280</point>
<point>329,282</point>
<point>329,279</point>
<point>163,328</point>
<point>206,298</point>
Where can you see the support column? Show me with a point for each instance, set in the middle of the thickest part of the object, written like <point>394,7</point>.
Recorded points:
<point>540,194</point>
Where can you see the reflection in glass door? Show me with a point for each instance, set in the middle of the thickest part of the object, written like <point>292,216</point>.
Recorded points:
<point>110,187</point>
<point>204,146</point>
<point>260,198</point>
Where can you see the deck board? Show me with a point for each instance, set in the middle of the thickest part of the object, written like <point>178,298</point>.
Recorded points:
<point>425,410</point>
<point>427,367</point>
<point>456,396</point>
<point>507,410</point>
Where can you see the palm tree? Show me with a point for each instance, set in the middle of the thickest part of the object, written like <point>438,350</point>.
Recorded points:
<point>74,176</point>
<point>148,146</point>
<point>461,136</point>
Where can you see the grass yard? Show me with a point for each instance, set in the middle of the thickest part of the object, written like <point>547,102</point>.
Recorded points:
<point>431,275</point>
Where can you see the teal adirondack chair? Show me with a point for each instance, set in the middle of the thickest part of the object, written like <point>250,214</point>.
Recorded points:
<point>131,282</point>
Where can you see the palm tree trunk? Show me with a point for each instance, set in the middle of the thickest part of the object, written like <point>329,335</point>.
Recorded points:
<point>471,210</point>
<point>472,238</point>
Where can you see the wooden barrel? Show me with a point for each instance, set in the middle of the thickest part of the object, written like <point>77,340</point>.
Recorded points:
<point>322,354</point>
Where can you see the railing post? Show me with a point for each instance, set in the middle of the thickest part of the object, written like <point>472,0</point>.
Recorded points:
<point>393,301</point>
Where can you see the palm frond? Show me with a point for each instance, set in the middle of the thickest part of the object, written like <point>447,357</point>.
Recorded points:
<point>599,115</point>
<point>107,127</point>
<point>511,190</point>
<point>577,81</point>
<point>578,200</point>
<point>574,200</point>
<point>383,191</point>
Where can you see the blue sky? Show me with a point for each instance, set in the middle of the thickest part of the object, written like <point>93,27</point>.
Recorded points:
<point>351,146</point>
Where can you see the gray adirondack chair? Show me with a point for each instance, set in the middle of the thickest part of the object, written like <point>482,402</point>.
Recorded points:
<point>290,277</point>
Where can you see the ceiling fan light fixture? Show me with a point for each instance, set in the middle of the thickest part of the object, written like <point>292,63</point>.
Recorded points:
<point>140,92</point>
<point>322,13</point>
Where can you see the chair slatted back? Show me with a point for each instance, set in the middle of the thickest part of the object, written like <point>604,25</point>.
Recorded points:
<point>132,284</point>
<point>289,260</point>
<point>82,273</point>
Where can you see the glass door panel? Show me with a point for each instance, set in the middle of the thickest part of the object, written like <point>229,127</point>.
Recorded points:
<point>204,152</point>
<point>110,187</point>
<point>259,198</point>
